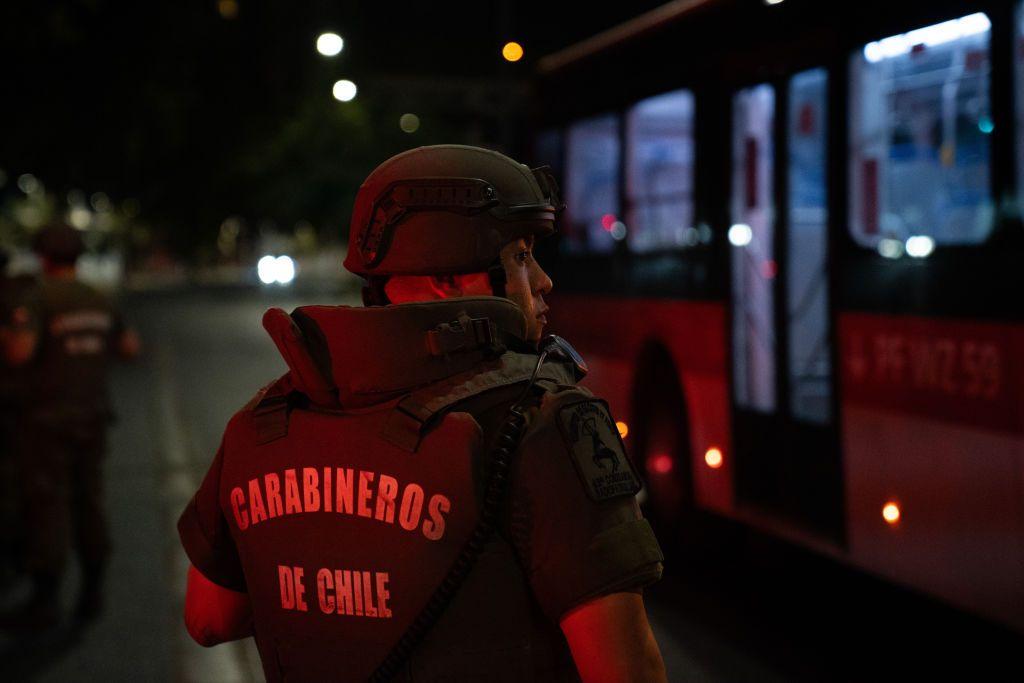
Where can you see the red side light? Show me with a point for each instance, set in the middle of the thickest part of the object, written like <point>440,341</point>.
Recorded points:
<point>659,464</point>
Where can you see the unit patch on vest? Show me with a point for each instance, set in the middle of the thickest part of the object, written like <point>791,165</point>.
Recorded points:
<point>597,451</point>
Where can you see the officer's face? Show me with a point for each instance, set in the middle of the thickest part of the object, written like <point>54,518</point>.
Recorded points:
<point>527,283</point>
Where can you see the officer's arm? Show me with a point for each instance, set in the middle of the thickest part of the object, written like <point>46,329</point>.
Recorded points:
<point>19,345</point>
<point>214,614</point>
<point>611,640</point>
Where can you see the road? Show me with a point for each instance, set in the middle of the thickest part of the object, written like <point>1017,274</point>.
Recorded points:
<point>733,606</point>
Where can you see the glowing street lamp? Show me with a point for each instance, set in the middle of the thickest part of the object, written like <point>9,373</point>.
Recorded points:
<point>512,52</point>
<point>330,44</point>
<point>344,91</point>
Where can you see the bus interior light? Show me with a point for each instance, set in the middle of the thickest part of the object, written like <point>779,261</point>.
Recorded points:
<point>623,428</point>
<point>929,36</point>
<point>713,457</point>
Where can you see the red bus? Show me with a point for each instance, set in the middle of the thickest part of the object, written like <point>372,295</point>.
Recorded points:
<point>793,257</point>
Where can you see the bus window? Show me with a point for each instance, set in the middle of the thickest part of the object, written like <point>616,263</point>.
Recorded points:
<point>753,259</point>
<point>807,280</point>
<point>659,173</point>
<point>919,148</point>
<point>592,186</point>
<point>1018,64</point>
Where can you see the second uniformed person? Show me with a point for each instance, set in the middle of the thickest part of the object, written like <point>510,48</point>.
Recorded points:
<point>349,490</point>
<point>68,334</point>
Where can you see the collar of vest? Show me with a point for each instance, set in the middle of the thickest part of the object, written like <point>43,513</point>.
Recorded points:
<point>356,357</point>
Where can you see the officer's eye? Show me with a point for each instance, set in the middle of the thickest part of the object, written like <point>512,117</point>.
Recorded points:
<point>524,256</point>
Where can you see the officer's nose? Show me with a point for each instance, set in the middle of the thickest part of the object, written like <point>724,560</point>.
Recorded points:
<point>542,283</point>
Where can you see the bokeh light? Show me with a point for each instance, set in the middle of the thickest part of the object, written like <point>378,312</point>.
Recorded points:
<point>344,91</point>
<point>512,52</point>
<point>409,123</point>
<point>228,9</point>
<point>891,512</point>
<point>329,44</point>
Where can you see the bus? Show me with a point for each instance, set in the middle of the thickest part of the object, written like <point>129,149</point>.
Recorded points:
<point>793,257</point>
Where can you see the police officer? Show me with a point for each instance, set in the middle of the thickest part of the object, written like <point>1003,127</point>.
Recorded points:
<point>344,521</point>
<point>64,343</point>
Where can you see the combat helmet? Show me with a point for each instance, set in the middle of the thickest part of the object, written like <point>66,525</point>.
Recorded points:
<point>446,209</point>
<point>59,242</point>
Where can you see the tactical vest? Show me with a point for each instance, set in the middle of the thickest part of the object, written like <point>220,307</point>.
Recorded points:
<point>351,486</point>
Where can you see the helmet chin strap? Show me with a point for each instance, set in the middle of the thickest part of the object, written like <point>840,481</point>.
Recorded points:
<point>496,274</point>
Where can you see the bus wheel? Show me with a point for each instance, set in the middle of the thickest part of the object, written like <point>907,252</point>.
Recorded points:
<point>661,448</point>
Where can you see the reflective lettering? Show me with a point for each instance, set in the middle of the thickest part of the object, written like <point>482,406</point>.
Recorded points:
<point>258,512</point>
<point>325,590</point>
<point>343,581</point>
<point>292,504</point>
<point>237,501</point>
<point>310,489</point>
<point>365,479</point>
<point>412,507</point>
<point>345,495</point>
<point>328,498</point>
<point>273,485</point>
<point>387,489</point>
<point>383,595</point>
<point>357,591</point>
<point>433,528</point>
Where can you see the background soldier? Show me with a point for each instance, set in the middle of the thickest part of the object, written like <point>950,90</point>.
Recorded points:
<point>64,344</point>
<point>405,410</point>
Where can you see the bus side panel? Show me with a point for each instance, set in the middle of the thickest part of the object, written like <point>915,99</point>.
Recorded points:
<point>611,332</point>
<point>932,423</point>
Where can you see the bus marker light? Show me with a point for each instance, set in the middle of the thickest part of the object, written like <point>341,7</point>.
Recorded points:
<point>891,513</point>
<point>740,235</point>
<point>713,458</point>
<point>623,428</point>
<point>661,464</point>
<point>607,221</point>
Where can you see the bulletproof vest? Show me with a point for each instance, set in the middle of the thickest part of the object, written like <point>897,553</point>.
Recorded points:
<point>354,481</point>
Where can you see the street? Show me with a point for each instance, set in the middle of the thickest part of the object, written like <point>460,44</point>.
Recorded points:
<point>732,606</point>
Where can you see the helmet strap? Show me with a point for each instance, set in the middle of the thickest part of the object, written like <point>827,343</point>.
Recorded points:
<point>496,274</point>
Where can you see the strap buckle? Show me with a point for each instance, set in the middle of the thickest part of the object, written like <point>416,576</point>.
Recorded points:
<point>462,334</point>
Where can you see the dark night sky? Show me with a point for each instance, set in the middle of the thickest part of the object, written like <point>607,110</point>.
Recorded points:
<point>199,116</point>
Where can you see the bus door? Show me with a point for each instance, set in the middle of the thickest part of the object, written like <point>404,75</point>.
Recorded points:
<point>787,460</point>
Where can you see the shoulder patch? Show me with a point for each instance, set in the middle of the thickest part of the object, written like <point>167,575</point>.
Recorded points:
<point>597,451</point>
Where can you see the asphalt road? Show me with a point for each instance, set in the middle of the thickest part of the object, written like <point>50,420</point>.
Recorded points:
<point>733,606</point>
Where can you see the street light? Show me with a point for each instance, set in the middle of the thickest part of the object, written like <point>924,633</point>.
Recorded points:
<point>344,90</point>
<point>329,44</point>
<point>512,52</point>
